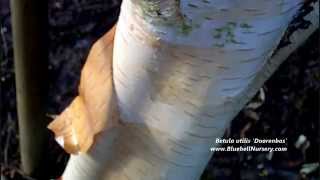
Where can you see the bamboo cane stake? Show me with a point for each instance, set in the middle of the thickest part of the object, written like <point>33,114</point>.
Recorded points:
<point>29,20</point>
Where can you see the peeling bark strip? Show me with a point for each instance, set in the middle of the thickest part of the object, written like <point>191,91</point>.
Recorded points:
<point>94,109</point>
<point>176,91</point>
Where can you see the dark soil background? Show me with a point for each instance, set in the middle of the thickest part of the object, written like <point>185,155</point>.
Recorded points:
<point>288,104</point>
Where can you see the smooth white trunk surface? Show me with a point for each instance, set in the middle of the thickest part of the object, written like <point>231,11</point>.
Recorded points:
<point>181,75</point>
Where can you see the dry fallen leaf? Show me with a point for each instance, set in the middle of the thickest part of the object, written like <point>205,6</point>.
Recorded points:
<point>95,108</point>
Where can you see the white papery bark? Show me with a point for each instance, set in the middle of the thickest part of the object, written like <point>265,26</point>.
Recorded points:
<point>182,72</point>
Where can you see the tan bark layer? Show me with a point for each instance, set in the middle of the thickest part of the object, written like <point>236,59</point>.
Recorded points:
<point>93,110</point>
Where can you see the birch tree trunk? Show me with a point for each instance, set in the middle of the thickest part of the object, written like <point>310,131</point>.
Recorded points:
<point>182,70</point>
